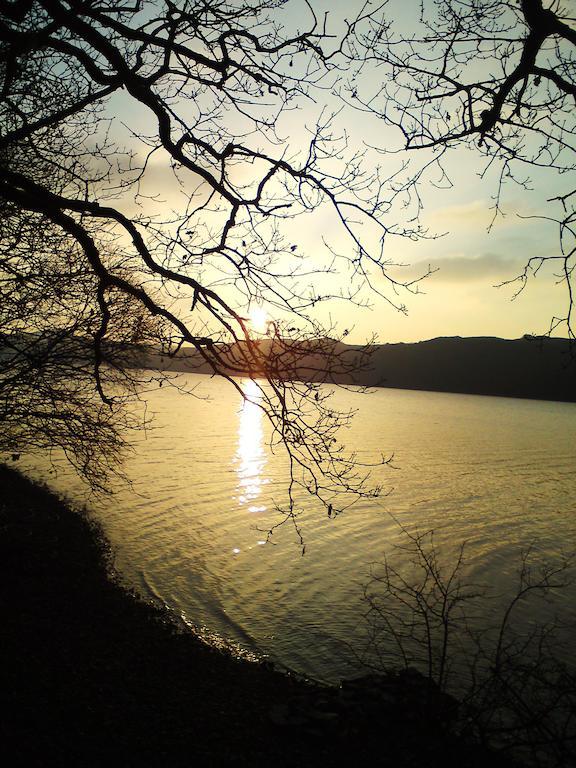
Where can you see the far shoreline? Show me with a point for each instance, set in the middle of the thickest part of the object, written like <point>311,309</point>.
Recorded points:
<point>528,368</point>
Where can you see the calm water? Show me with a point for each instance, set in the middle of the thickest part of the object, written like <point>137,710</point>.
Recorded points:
<point>497,473</point>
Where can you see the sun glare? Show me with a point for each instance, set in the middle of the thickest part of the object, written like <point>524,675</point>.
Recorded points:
<point>259,319</point>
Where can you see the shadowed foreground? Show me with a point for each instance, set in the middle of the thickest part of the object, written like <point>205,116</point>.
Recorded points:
<point>91,675</point>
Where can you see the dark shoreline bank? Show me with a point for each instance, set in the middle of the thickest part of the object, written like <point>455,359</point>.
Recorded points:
<point>92,675</point>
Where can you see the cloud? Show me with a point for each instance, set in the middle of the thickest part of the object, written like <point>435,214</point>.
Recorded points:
<point>477,214</point>
<point>487,267</point>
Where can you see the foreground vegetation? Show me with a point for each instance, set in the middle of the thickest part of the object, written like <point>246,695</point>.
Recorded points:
<point>516,691</point>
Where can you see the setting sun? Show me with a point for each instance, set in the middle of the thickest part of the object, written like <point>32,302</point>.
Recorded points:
<point>259,319</point>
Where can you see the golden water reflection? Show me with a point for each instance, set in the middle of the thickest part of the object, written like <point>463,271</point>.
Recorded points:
<point>251,456</point>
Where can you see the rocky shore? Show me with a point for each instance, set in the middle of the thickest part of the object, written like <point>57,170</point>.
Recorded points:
<point>93,675</point>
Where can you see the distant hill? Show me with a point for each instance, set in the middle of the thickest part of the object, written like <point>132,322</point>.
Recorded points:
<point>536,368</point>
<point>539,368</point>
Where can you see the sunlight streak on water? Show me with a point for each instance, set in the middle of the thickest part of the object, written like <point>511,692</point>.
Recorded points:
<point>250,457</point>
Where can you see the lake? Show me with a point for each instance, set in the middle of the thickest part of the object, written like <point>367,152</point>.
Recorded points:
<point>496,473</point>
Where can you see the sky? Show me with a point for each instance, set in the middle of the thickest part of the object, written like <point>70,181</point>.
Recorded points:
<point>468,256</point>
<point>473,254</point>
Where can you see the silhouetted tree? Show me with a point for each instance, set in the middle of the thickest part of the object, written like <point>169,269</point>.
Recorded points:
<point>91,258</point>
<point>49,363</point>
<point>515,693</point>
<point>202,93</point>
<point>495,76</point>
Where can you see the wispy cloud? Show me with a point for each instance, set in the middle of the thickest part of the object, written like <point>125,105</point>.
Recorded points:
<point>476,214</point>
<point>486,267</point>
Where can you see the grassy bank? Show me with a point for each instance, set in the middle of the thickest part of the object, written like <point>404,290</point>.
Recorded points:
<point>92,675</point>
